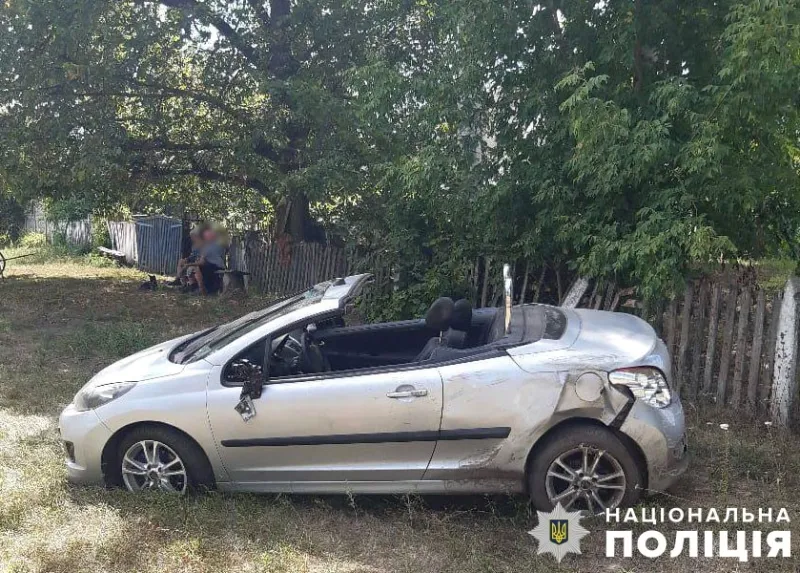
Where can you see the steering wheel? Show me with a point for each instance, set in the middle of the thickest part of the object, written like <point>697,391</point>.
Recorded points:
<point>277,354</point>
<point>282,363</point>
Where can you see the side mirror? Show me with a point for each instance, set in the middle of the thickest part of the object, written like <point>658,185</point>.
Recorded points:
<point>253,384</point>
<point>252,377</point>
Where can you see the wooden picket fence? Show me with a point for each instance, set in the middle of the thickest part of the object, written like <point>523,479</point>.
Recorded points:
<point>282,268</point>
<point>722,334</point>
<point>722,337</point>
<point>76,233</point>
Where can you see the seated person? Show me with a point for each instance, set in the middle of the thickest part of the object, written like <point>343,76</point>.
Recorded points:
<point>212,259</point>
<point>185,275</point>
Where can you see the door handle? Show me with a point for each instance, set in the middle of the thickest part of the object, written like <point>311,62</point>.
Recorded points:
<point>408,393</point>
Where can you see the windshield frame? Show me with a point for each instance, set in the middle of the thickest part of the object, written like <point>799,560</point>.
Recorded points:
<point>328,297</point>
<point>217,338</point>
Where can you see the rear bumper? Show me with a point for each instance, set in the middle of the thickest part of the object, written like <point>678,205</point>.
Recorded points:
<point>661,435</point>
<point>84,435</point>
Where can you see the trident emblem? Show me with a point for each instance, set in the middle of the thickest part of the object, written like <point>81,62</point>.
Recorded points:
<point>559,531</point>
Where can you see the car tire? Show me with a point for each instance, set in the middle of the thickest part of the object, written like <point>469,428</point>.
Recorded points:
<point>567,446</point>
<point>197,473</point>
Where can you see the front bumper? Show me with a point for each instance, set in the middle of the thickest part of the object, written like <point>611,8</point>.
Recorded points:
<point>661,435</point>
<point>84,436</point>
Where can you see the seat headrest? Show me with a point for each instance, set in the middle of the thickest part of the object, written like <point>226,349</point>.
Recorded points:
<point>440,314</point>
<point>462,315</point>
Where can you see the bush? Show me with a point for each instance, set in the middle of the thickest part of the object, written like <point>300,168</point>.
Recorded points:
<point>33,240</point>
<point>68,210</point>
<point>62,246</point>
<point>100,236</point>
<point>12,219</point>
<point>96,260</point>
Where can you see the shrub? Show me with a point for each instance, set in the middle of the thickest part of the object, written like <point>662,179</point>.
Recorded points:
<point>100,236</point>
<point>96,260</point>
<point>33,240</point>
<point>12,219</point>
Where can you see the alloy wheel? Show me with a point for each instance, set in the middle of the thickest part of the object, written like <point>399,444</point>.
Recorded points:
<point>586,478</point>
<point>153,465</point>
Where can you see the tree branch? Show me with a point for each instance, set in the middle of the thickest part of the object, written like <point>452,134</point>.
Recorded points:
<point>193,7</point>
<point>268,151</point>
<point>261,147</point>
<point>259,8</point>
<point>198,96</point>
<point>159,144</point>
<point>163,93</point>
<point>157,174</point>
<point>242,180</point>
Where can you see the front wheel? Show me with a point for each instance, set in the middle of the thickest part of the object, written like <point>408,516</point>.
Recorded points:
<point>157,458</point>
<point>584,468</point>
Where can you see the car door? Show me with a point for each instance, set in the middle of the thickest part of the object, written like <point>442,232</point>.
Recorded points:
<point>491,411</point>
<point>372,425</point>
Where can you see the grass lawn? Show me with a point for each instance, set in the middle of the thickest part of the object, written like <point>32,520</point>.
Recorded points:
<point>61,320</point>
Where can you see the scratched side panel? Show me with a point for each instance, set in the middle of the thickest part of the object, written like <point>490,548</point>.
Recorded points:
<point>489,394</point>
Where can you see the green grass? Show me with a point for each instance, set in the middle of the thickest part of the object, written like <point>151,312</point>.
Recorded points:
<point>104,340</point>
<point>61,320</point>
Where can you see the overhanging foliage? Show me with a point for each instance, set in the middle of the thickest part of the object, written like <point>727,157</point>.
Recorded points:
<point>629,139</point>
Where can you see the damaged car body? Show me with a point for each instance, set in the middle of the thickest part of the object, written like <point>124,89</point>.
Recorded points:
<point>569,406</point>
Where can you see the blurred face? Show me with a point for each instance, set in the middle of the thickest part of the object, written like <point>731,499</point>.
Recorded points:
<point>209,235</point>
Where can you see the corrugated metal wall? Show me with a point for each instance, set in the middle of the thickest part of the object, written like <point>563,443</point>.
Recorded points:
<point>123,239</point>
<point>152,242</point>
<point>158,244</point>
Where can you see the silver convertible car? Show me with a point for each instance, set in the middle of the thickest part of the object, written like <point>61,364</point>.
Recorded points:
<point>569,406</point>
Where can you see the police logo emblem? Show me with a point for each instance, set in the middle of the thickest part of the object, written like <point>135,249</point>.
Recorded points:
<point>559,532</point>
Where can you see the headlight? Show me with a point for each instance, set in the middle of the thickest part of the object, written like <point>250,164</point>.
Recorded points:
<point>647,384</point>
<point>94,397</point>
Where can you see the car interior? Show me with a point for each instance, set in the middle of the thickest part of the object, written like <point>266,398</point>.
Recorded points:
<point>450,331</point>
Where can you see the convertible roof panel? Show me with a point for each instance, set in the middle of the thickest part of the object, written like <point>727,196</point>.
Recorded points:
<point>347,287</point>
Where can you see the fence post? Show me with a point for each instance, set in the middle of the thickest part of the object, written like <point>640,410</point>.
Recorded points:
<point>755,355</point>
<point>575,293</point>
<point>711,342</point>
<point>683,346</point>
<point>784,385</point>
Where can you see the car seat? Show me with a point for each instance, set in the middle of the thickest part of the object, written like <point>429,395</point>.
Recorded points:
<point>438,318</point>
<point>460,324</point>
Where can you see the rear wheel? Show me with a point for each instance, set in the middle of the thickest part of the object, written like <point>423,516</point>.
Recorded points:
<point>157,458</point>
<point>584,468</point>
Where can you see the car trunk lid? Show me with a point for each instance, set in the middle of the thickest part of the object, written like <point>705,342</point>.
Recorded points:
<point>593,339</point>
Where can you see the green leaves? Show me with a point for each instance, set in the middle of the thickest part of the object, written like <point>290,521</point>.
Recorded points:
<point>631,140</point>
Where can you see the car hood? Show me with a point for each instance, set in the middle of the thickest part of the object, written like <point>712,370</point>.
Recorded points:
<point>147,364</point>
